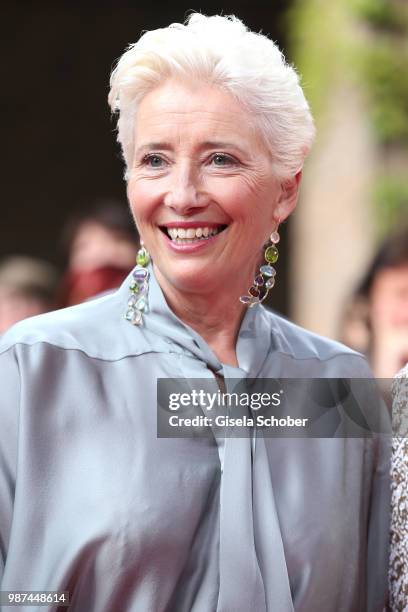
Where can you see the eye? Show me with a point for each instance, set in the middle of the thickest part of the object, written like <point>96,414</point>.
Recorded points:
<point>152,160</point>
<point>222,159</point>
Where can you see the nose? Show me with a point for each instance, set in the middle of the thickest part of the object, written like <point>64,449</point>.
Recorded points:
<point>184,194</point>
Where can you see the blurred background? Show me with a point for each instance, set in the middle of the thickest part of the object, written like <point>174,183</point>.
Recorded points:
<point>61,160</point>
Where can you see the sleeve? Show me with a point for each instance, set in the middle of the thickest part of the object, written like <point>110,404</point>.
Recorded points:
<point>9,418</point>
<point>379,526</point>
<point>373,409</point>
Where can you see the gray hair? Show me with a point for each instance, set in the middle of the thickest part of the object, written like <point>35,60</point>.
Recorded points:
<point>220,51</point>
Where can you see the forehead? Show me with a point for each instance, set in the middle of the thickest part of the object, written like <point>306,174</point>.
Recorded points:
<point>194,111</point>
<point>395,278</point>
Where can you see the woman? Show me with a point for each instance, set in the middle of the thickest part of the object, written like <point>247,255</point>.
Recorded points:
<point>399,488</point>
<point>214,129</point>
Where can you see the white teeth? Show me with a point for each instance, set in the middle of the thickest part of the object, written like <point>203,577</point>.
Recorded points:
<point>184,236</point>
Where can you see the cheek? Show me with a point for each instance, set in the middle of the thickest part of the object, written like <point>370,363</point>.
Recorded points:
<point>236,196</point>
<point>259,190</point>
<point>142,200</point>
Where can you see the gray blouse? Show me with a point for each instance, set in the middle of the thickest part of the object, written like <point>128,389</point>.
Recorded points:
<point>94,503</point>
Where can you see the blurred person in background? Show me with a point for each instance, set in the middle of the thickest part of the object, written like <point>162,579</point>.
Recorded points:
<point>100,244</point>
<point>27,288</point>
<point>376,322</point>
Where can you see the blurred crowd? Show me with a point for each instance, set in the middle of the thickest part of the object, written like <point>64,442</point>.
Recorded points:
<point>100,245</point>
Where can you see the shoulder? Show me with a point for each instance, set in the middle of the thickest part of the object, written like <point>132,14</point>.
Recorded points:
<point>97,328</point>
<point>299,344</point>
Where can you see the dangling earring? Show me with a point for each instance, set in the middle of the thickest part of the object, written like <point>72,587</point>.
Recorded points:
<point>139,288</point>
<point>265,279</point>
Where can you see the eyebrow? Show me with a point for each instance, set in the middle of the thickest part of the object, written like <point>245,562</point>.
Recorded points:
<point>214,144</point>
<point>208,144</point>
<point>150,146</point>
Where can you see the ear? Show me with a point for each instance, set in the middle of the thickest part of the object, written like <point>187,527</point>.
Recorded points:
<point>288,197</point>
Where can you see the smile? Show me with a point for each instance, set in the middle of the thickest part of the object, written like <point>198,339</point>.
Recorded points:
<point>189,235</point>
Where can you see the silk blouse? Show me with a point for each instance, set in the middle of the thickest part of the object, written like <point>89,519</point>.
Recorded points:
<point>94,503</point>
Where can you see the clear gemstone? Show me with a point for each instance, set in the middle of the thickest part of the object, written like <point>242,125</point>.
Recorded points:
<point>137,319</point>
<point>141,303</point>
<point>270,283</point>
<point>132,300</point>
<point>275,237</point>
<point>267,270</point>
<point>130,314</point>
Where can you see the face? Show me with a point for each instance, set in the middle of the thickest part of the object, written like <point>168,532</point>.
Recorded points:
<point>389,320</point>
<point>389,298</point>
<point>201,188</point>
<point>96,246</point>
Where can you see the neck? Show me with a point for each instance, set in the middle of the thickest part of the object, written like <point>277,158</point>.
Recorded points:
<point>216,315</point>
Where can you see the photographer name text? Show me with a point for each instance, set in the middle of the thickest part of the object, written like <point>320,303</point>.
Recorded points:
<point>227,421</point>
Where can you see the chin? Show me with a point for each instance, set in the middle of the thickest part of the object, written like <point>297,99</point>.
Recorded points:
<point>191,276</point>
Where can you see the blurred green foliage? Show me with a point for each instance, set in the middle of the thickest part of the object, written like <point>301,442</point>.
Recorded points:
<point>384,68</point>
<point>320,43</point>
<point>382,14</point>
<point>382,61</point>
<point>314,28</point>
<point>365,41</point>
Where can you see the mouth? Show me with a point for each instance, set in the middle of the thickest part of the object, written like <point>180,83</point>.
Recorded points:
<point>190,235</point>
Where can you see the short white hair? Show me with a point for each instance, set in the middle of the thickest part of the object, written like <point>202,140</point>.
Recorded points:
<point>220,51</point>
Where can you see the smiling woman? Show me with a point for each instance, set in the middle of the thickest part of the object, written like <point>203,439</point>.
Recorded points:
<point>214,129</point>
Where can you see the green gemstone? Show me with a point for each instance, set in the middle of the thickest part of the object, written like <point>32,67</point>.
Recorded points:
<point>142,258</point>
<point>271,254</point>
